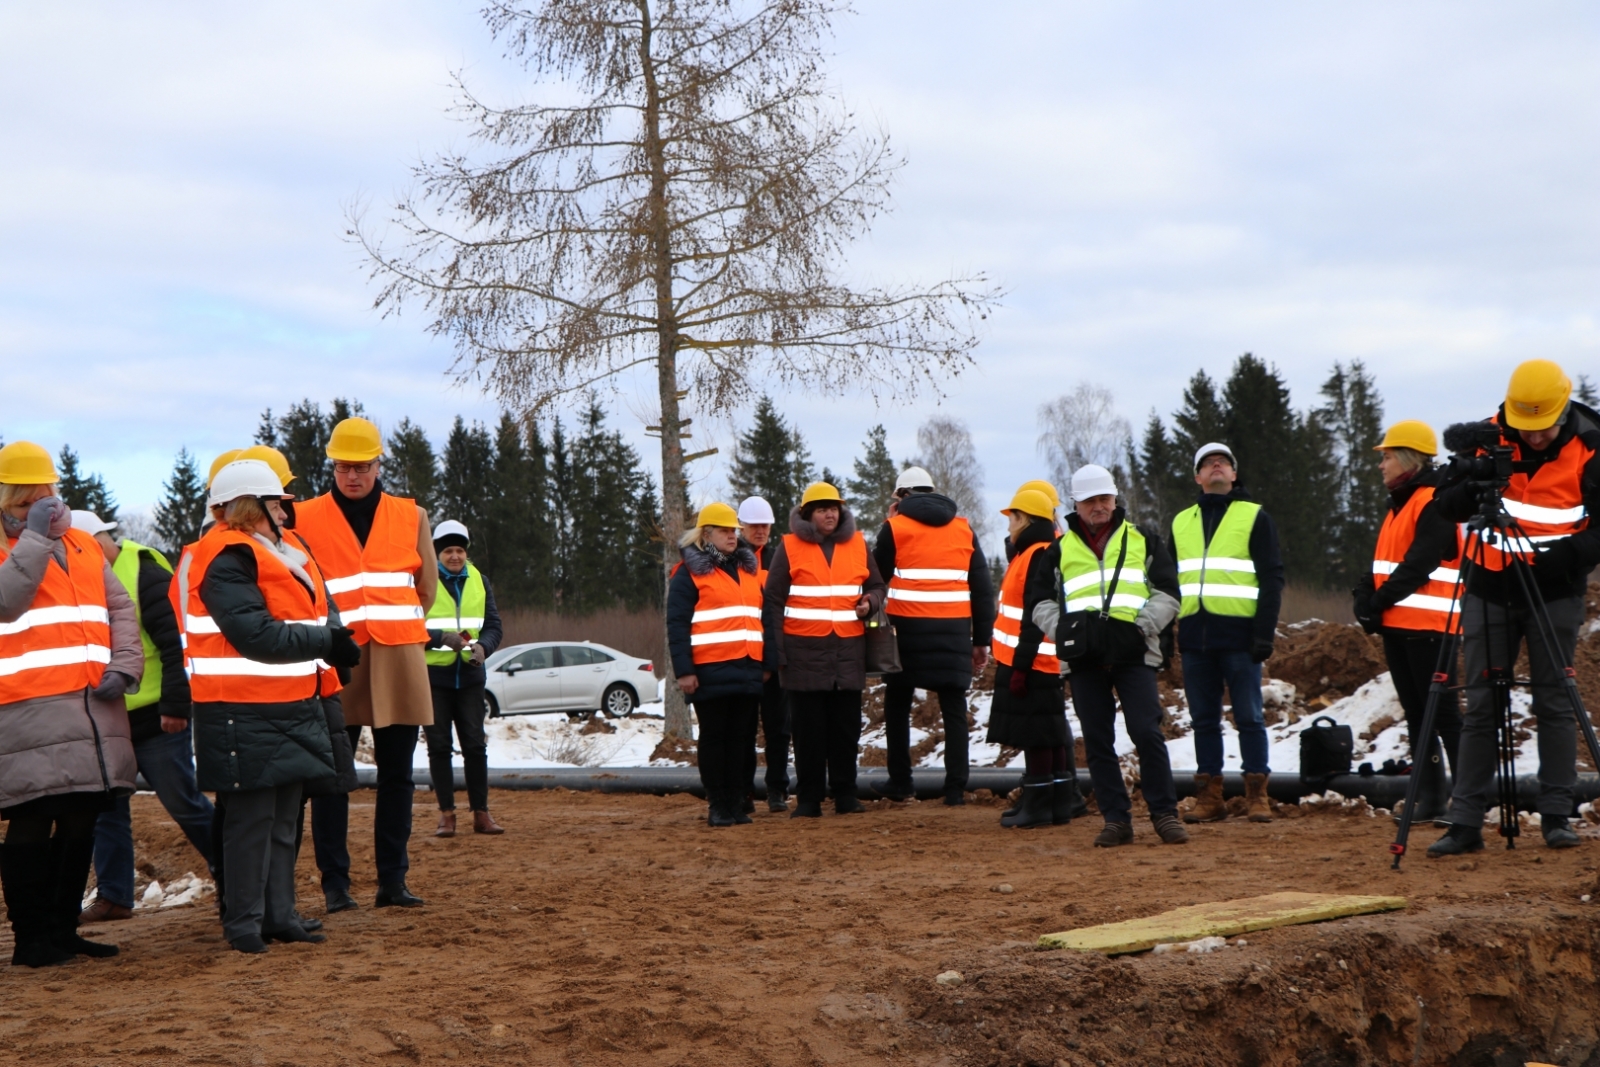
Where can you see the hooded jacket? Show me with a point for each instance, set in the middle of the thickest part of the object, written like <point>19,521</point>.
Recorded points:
<point>937,653</point>
<point>815,664</point>
<point>1205,632</point>
<point>739,677</point>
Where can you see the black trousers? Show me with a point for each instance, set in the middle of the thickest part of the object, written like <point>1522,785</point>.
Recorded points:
<point>1412,659</point>
<point>775,728</point>
<point>393,748</point>
<point>1095,695</point>
<point>827,736</point>
<point>725,726</point>
<point>897,736</point>
<point>465,710</point>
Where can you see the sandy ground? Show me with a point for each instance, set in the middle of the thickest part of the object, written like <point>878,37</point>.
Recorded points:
<point>620,929</point>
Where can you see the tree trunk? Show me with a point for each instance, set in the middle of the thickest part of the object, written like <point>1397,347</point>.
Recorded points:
<point>672,481</point>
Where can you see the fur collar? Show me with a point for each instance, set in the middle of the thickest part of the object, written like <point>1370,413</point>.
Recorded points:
<point>806,530</point>
<point>702,560</point>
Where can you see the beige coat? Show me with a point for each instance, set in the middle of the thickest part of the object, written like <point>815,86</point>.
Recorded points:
<point>390,686</point>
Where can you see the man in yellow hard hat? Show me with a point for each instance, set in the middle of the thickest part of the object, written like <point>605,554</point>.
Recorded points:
<point>1551,498</point>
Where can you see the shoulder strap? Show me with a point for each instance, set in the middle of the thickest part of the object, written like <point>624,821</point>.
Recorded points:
<point>1111,587</point>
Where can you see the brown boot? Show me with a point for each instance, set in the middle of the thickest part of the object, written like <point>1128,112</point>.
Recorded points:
<point>1208,803</point>
<point>483,823</point>
<point>1255,795</point>
<point>102,910</point>
<point>447,824</point>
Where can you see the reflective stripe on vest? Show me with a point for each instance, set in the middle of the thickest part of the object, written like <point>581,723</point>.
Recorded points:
<point>1220,575</point>
<point>822,595</point>
<point>457,617</point>
<point>1547,506</point>
<point>727,617</point>
<point>374,585</point>
<point>1431,606</point>
<point>126,568</point>
<point>1008,621</point>
<point>931,567</point>
<point>62,643</point>
<point>1086,578</point>
<point>218,673</point>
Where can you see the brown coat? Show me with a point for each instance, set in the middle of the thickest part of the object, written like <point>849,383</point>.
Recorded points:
<point>390,686</point>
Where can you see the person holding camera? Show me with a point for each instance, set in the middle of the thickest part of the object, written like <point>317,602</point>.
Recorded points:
<point>1232,580</point>
<point>1552,490</point>
<point>1107,594</point>
<point>1409,599</point>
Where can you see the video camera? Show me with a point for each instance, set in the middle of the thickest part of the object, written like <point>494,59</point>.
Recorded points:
<point>1479,454</point>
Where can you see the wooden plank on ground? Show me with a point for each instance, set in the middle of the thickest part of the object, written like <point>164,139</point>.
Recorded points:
<point>1226,918</point>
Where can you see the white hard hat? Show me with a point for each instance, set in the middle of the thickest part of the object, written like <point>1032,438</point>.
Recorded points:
<point>448,527</point>
<point>244,477</point>
<point>1092,480</point>
<point>90,523</point>
<point>756,510</point>
<point>1212,449</point>
<point>914,478</point>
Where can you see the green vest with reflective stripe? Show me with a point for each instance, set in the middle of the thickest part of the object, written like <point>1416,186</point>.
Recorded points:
<point>126,568</point>
<point>1221,576</point>
<point>451,617</point>
<point>1084,576</point>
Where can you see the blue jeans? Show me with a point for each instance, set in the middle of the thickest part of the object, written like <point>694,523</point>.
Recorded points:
<point>1204,675</point>
<point>167,763</point>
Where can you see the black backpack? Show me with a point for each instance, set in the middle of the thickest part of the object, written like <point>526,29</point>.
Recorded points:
<point>1326,749</point>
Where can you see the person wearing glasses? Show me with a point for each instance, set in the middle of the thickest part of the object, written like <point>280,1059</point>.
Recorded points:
<point>376,551</point>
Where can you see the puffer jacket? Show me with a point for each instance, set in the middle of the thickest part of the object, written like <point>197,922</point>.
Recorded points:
<point>738,677</point>
<point>813,664</point>
<point>937,653</point>
<point>70,742</point>
<point>241,746</point>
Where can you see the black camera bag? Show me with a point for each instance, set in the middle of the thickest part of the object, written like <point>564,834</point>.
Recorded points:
<point>1326,750</point>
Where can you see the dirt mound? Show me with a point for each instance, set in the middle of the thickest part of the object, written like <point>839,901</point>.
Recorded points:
<point>1326,661</point>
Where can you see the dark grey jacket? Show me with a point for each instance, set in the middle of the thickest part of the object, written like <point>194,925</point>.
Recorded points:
<point>811,664</point>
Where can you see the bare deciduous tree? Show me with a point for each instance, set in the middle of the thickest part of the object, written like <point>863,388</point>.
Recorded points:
<point>1083,427</point>
<point>683,211</point>
<point>944,448</point>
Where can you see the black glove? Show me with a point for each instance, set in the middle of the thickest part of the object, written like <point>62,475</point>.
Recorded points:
<point>1371,620</point>
<point>50,517</point>
<point>113,684</point>
<point>1260,652</point>
<point>344,651</point>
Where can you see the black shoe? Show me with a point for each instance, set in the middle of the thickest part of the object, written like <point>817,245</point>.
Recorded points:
<point>1113,834</point>
<point>749,805</point>
<point>716,816</point>
<point>38,952</point>
<point>69,941</point>
<point>250,943</point>
<point>1557,834</point>
<point>397,896</point>
<point>805,810</point>
<point>1037,806</point>
<point>1457,841</point>
<point>339,900</point>
<point>777,802</point>
<point>307,924</point>
<point>954,798</point>
<point>1067,801</point>
<point>896,791</point>
<point>294,933</point>
<point>848,805</point>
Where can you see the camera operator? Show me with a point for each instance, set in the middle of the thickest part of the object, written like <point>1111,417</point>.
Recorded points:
<point>1552,489</point>
<point>1408,599</point>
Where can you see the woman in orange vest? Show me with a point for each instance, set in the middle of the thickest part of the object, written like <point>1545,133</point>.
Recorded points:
<point>714,636</point>
<point>69,650</point>
<point>823,582</point>
<point>259,643</point>
<point>1408,599</point>
<point>1030,708</point>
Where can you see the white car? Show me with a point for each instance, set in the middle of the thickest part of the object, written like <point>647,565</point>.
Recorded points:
<point>570,677</point>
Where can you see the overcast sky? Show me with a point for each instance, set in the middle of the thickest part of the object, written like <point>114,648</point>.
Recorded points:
<point>1158,187</point>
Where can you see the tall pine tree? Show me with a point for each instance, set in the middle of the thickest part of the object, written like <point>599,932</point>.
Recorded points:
<point>80,491</point>
<point>770,461</point>
<point>301,434</point>
<point>1352,414</point>
<point>183,505</point>
<point>411,469</point>
<point>871,487</point>
<point>466,476</point>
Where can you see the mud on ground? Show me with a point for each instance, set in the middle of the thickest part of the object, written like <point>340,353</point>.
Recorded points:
<point>620,929</point>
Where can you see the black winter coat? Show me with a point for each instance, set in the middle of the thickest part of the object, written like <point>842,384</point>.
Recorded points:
<point>937,653</point>
<point>1205,632</point>
<point>1432,544</point>
<point>815,664</point>
<point>155,615</point>
<point>738,677</point>
<point>240,746</point>
<point>459,675</point>
<point>1038,719</point>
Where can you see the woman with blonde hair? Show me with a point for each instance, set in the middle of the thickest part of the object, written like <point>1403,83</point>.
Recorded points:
<point>69,650</point>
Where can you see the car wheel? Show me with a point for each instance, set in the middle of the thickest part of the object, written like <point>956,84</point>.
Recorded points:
<point>618,702</point>
<point>494,705</point>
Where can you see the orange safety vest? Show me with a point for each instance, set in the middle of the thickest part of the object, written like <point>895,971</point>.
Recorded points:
<point>62,643</point>
<point>823,595</point>
<point>931,564</point>
<point>217,671</point>
<point>374,586</point>
<point>1547,507</point>
<point>1008,623</point>
<point>1430,607</point>
<point>727,617</point>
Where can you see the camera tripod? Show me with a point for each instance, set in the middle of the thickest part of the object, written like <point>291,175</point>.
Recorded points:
<point>1494,523</point>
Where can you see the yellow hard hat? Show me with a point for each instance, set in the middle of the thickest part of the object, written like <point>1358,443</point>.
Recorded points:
<point>355,441</point>
<point>718,515</point>
<point>272,458</point>
<point>820,492</point>
<point>1537,395</point>
<point>1410,433</point>
<point>1031,502</point>
<point>221,461</point>
<point>25,463</point>
<point>1044,487</point>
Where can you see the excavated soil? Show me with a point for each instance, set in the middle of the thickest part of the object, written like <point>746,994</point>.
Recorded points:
<point>620,929</point>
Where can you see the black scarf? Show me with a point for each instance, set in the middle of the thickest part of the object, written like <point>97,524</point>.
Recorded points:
<point>360,513</point>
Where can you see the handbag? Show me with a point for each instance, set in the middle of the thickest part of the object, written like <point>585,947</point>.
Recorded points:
<point>1326,750</point>
<point>883,645</point>
<point>1082,635</point>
